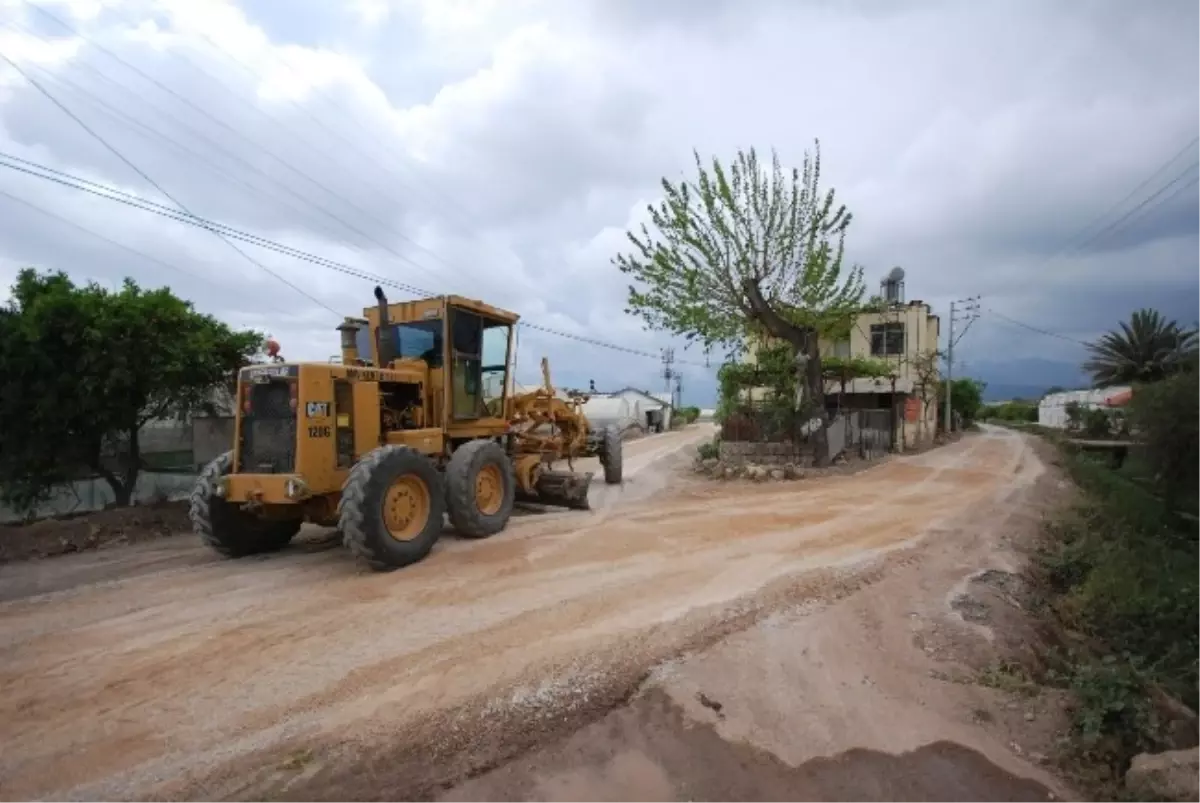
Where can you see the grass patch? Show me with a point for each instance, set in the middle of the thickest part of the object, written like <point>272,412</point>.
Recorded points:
<point>1010,677</point>
<point>710,450</point>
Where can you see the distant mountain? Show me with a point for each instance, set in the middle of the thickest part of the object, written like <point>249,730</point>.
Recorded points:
<point>1025,378</point>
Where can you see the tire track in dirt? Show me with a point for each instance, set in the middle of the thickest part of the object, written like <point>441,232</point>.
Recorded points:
<point>206,670</point>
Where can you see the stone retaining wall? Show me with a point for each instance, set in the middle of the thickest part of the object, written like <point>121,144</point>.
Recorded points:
<point>737,453</point>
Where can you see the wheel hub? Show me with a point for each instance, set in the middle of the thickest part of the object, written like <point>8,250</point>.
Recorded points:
<point>489,490</point>
<point>406,508</point>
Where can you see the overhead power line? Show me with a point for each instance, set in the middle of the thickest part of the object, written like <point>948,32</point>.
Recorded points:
<point>1140,211</point>
<point>65,179</point>
<point>267,152</point>
<point>54,216</point>
<point>128,199</point>
<point>97,235</point>
<point>1037,329</point>
<point>197,159</point>
<point>1070,245</point>
<point>227,234</point>
<point>1116,225</point>
<point>242,236</point>
<point>243,164</point>
<point>1147,210</point>
<point>91,132</point>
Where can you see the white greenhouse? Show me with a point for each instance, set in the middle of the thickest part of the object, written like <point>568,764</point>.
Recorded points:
<point>1052,409</point>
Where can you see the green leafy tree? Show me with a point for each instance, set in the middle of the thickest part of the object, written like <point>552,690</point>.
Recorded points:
<point>1147,349</point>
<point>747,250</point>
<point>1166,418</point>
<point>85,368</point>
<point>966,398</point>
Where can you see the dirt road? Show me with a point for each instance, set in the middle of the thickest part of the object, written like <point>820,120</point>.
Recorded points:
<point>157,671</point>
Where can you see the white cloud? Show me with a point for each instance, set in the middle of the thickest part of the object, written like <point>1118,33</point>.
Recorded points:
<point>501,149</point>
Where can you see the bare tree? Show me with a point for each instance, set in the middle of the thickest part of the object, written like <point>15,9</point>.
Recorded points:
<point>924,367</point>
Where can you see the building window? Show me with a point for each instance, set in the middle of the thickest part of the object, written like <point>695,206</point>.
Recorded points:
<point>887,339</point>
<point>841,349</point>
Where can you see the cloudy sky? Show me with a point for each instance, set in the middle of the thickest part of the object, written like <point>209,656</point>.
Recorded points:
<point>501,148</point>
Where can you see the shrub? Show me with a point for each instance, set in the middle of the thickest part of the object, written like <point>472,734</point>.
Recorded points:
<point>1016,411</point>
<point>1096,423</point>
<point>1074,413</point>
<point>1118,572</point>
<point>1113,718</point>
<point>1166,416</point>
<point>710,450</point>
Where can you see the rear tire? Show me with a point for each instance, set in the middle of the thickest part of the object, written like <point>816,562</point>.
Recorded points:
<point>481,488</point>
<point>610,456</point>
<point>390,513</point>
<point>227,529</point>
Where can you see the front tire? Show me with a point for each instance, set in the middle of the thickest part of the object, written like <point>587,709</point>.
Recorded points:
<point>481,488</point>
<point>610,456</point>
<point>227,529</point>
<point>390,513</point>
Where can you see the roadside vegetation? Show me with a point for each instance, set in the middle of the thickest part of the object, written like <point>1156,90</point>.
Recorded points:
<point>1116,573</point>
<point>966,400</point>
<point>85,368</point>
<point>684,416</point>
<point>1017,411</point>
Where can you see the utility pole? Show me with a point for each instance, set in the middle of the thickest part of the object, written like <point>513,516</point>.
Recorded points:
<point>668,360</point>
<point>966,310</point>
<point>678,390</point>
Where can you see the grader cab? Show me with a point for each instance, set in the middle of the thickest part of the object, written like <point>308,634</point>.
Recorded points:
<point>418,420</point>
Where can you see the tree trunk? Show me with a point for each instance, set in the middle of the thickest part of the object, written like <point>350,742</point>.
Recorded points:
<point>816,395</point>
<point>122,492</point>
<point>124,484</point>
<point>133,467</point>
<point>802,340</point>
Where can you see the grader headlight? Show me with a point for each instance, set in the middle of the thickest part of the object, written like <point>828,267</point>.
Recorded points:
<point>295,488</point>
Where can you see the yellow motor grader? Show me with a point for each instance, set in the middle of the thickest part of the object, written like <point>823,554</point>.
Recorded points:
<point>417,420</point>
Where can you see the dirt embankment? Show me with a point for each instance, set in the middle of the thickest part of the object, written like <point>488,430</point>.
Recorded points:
<point>104,528</point>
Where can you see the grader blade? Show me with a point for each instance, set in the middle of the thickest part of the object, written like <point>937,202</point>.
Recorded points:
<point>560,489</point>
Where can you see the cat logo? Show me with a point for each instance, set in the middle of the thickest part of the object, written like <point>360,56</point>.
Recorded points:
<point>317,409</point>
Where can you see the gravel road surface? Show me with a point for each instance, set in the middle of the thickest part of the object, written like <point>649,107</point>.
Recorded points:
<point>157,671</point>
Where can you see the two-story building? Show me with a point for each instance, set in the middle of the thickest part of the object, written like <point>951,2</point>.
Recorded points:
<point>903,335</point>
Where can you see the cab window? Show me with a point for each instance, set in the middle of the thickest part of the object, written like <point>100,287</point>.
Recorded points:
<point>479,355</point>
<point>421,340</point>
